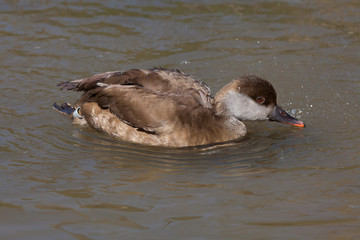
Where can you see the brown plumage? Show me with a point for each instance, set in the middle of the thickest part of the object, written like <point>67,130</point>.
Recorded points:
<point>166,107</point>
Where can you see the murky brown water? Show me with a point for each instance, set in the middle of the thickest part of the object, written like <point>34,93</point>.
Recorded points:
<point>60,181</point>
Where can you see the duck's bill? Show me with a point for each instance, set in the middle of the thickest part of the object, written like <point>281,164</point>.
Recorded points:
<point>279,115</point>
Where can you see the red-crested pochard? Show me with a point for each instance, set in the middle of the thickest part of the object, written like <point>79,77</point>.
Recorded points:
<point>170,108</point>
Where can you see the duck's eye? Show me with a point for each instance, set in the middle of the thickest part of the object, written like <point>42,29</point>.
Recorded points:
<point>260,100</point>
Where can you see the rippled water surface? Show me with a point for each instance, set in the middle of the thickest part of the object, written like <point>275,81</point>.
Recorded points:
<point>62,181</point>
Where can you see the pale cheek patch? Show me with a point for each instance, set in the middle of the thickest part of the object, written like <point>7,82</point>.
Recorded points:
<point>243,107</point>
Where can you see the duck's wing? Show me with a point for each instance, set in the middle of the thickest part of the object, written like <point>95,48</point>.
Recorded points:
<point>144,109</point>
<point>158,80</point>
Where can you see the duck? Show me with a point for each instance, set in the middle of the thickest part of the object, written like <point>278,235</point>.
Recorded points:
<point>167,107</point>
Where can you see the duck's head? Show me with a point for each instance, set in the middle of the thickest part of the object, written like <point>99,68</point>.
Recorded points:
<point>252,98</point>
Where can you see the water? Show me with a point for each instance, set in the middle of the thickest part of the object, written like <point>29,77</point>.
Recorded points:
<point>61,181</point>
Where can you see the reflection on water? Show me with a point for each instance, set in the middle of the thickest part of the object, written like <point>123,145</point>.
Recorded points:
<point>71,182</point>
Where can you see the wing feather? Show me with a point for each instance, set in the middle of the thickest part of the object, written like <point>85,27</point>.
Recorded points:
<point>145,99</point>
<point>134,105</point>
<point>156,79</point>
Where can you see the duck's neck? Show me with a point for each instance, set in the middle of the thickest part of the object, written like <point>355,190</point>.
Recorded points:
<point>231,126</point>
<point>221,101</point>
<point>222,110</point>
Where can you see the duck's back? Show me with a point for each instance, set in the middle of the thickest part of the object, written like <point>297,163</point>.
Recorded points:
<point>156,107</point>
<point>159,80</point>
